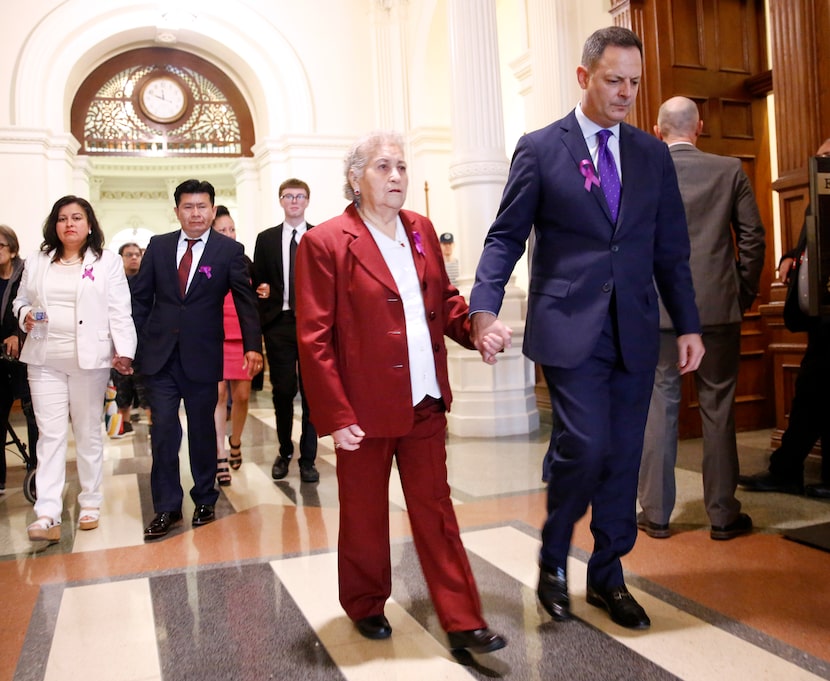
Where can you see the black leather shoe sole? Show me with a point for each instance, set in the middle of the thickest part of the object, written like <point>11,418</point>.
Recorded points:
<point>821,491</point>
<point>162,524</point>
<point>375,627</point>
<point>622,607</point>
<point>653,530</point>
<point>280,469</point>
<point>742,525</point>
<point>766,482</point>
<point>552,593</point>
<point>309,474</point>
<point>475,641</point>
<point>203,515</point>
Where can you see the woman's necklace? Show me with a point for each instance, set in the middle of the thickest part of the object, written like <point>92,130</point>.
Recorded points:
<point>75,260</point>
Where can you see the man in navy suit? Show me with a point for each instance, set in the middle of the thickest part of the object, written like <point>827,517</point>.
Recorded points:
<point>606,229</point>
<point>178,296</point>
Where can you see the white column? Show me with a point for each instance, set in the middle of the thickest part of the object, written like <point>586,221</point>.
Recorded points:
<point>488,401</point>
<point>248,219</point>
<point>391,71</point>
<point>37,167</point>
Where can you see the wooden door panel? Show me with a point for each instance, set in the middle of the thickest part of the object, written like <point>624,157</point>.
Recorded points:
<point>708,50</point>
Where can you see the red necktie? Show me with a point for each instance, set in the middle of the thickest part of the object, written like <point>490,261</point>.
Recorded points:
<point>184,266</point>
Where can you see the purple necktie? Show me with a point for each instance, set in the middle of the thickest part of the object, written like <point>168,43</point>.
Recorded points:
<point>609,180</point>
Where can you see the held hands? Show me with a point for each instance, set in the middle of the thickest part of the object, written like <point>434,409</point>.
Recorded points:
<point>690,351</point>
<point>123,365</point>
<point>348,438</point>
<point>253,363</point>
<point>490,336</point>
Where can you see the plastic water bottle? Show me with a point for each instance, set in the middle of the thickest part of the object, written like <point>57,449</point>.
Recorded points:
<point>41,325</point>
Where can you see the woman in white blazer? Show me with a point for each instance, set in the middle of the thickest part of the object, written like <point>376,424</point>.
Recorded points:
<point>84,292</point>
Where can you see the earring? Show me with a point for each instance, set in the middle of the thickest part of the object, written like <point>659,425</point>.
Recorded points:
<point>89,232</point>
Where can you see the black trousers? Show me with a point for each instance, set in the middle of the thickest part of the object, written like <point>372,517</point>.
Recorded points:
<point>809,413</point>
<point>283,364</point>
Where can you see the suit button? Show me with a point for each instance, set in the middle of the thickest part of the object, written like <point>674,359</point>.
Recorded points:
<point>432,315</point>
<point>436,348</point>
<point>615,248</point>
<point>606,287</point>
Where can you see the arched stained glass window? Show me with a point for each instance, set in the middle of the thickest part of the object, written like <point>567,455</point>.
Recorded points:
<point>161,102</point>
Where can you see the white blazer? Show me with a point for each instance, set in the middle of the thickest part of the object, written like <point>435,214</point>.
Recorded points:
<point>103,309</point>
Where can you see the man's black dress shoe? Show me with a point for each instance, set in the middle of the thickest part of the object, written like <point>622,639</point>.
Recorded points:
<point>374,627</point>
<point>203,515</point>
<point>653,530</point>
<point>309,473</point>
<point>162,524</point>
<point>767,482</point>
<point>741,525</point>
<point>620,604</point>
<point>820,491</point>
<point>475,640</point>
<point>552,593</point>
<point>280,468</point>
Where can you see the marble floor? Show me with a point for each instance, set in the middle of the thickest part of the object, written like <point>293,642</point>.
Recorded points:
<point>253,596</point>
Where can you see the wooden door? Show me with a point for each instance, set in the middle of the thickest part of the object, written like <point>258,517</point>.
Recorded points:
<point>714,52</point>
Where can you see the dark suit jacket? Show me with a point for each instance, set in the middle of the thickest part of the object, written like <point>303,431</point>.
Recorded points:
<point>719,203</point>
<point>268,269</point>
<point>352,330</point>
<point>163,318</point>
<point>580,256</point>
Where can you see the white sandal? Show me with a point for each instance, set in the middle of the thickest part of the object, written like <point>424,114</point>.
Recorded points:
<point>44,529</point>
<point>89,518</point>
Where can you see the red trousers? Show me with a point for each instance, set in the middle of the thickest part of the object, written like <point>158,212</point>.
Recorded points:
<point>364,566</point>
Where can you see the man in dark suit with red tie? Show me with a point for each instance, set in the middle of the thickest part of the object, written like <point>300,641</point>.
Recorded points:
<point>178,296</point>
<point>603,201</point>
<point>274,282</point>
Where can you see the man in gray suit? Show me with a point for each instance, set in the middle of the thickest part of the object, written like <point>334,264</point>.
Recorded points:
<point>719,202</point>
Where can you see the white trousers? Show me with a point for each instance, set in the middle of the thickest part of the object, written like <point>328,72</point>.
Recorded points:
<point>62,391</point>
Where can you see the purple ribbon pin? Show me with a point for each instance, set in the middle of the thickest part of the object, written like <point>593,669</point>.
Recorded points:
<point>88,273</point>
<point>419,246</point>
<point>587,170</point>
<point>205,269</point>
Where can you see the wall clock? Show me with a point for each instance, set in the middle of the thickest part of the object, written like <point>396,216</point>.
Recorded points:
<point>163,99</point>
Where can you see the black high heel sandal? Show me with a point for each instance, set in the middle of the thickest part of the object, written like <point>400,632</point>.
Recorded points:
<point>223,474</point>
<point>236,454</point>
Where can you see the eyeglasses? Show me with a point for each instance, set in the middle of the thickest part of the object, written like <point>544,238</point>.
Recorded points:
<point>294,197</point>
<point>2,246</point>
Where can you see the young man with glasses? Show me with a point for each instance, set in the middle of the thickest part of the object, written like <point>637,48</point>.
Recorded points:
<point>274,281</point>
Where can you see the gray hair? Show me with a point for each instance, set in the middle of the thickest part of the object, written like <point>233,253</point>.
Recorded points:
<point>600,39</point>
<point>360,153</point>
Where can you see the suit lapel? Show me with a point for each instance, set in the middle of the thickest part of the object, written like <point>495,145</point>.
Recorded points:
<point>416,247</point>
<point>366,251</point>
<point>574,141</point>
<point>632,160</point>
<point>209,252</point>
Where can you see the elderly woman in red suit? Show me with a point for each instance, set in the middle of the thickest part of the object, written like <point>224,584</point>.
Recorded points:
<point>373,306</point>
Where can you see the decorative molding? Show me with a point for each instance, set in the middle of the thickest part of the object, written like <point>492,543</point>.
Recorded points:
<point>478,169</point>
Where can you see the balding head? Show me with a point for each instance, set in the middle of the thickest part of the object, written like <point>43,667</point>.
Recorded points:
<point>678,121</point>
<point>824,149</point>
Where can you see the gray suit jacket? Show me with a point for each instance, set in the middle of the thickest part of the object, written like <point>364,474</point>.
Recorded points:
<point>725,231</point>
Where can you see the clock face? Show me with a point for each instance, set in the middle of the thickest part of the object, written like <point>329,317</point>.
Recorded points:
<point>163,99</point>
